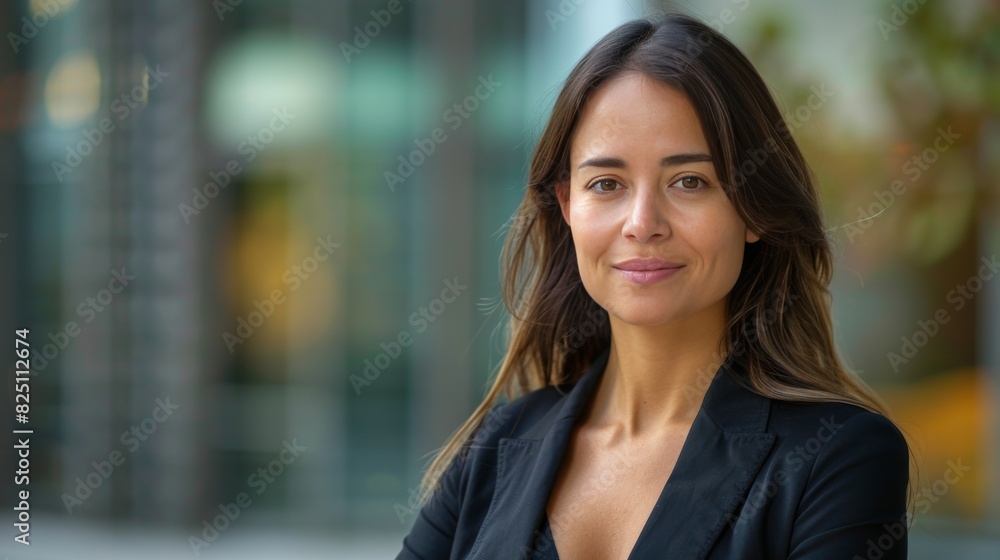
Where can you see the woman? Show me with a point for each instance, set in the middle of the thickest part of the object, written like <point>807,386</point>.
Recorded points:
<point>680,392</point>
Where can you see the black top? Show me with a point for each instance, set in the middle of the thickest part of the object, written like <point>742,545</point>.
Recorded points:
<point>756,478</point>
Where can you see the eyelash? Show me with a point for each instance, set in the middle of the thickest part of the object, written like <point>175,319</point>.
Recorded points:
<point>590,187</point>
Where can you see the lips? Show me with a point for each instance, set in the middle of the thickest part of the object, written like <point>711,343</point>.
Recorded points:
<point>641,265</point>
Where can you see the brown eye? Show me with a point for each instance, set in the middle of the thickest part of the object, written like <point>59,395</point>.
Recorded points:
<point>604,185</point>
<point>690,183</point>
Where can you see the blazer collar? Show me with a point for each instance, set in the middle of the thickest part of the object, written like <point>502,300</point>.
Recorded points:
<point>721,455</point>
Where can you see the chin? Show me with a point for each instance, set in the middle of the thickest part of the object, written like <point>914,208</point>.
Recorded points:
<point>640,315</point>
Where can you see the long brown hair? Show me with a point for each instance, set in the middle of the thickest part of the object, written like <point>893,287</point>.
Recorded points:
<point>779,321</point>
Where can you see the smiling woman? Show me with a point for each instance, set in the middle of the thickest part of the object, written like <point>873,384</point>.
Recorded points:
<point>706,413</point>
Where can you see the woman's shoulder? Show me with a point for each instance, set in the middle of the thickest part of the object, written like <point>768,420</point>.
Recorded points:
<point>826,428</point>
<point>797,415</point>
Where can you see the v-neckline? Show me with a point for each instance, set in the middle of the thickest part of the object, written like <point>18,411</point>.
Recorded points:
<point>549,535</point>
<point>731,423</point>
<point>654,511</point>
<point>566,452</point>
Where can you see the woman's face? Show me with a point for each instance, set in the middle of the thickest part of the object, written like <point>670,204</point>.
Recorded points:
<point>642,186</point>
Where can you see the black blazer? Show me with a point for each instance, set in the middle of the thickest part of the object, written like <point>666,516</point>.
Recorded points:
<point>755,478</point>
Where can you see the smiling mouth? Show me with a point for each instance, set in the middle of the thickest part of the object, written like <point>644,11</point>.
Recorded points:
<point>648,276</point>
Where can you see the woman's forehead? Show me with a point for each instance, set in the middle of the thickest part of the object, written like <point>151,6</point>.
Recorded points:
<point>634,111</point>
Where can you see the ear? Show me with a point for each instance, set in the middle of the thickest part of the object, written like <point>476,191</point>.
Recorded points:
<point>752,237</point>
<point>562,193</point>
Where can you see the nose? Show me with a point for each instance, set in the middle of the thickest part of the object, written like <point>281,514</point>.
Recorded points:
<point>646,214</point>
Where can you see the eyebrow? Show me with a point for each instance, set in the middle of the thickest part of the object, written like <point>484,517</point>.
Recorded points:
<point>669,161</point>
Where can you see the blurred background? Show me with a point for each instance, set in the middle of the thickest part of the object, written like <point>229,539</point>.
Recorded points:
<point>255,244</point>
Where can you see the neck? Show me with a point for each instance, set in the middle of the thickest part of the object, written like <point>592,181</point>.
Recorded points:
<point>657,376</point>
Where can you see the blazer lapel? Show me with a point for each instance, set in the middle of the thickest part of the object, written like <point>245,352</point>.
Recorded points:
<point>719,459</point>
<point>526,472</point>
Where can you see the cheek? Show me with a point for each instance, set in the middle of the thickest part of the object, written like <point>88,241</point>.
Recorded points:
<point>726,246</point>
<point>716,234</point>
<point>593,232</point>
<point>590,240</point>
